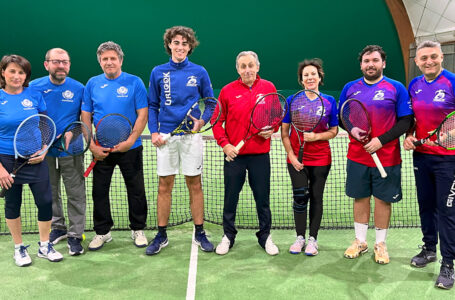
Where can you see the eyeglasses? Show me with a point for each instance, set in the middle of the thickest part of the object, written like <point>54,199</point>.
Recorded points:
<point>58,61</point>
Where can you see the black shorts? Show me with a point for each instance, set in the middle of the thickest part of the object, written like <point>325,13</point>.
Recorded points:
<point>28,173</point>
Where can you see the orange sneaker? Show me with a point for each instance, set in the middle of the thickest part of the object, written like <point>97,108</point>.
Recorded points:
<point>356,249</point>
<point>381,256</point>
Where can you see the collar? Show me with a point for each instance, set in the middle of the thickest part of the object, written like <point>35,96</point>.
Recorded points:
<point>178,65</point>
<point>254,83</point>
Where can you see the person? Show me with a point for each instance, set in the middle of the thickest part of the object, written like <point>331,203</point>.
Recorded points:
<point>116,91</point>
<point>17,102</point>
<point>388,106</point>
<point>63,97</point>
<point>308,178</point>
<point>433,98</point>
<point>237,100</point>
<point>174,87</point>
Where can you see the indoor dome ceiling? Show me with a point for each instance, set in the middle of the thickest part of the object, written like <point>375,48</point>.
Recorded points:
<point>432,19</point>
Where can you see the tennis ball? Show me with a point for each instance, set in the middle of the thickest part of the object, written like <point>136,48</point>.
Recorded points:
<point>83,237</point>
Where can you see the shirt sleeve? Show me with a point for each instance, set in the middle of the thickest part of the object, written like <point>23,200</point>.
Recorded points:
<point>87,104</point>
<point>153,103</point>
<point>140,99</point>
<point>41,103</point>
<point>403,101</point>
<point>287,117</point>
<point>333,119</point>
<point>218,130</point>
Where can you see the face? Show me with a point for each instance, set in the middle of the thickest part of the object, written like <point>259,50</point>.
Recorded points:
<point>179,48</point>
<point>372,65</point>
<point>14,77</point>
<point>429,61</point>
<point>58,66</point>
<point>247,69</point>
<point>111,64</point>
<point>310,78</point>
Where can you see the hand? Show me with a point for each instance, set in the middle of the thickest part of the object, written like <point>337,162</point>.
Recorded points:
<point>359,134</point>
<point>408,143</point>
<point>266,134</point>
<point>197,124</point>
<point>298,166</point>
<point>230,152</point>
<point>100,153</point>
<point>123,146</point>
<point>373,146</point>
<point>39,158</point>
<point>157,139</point>
<point>68,138</point>
<point>310,136</point>
<point>6,181</point>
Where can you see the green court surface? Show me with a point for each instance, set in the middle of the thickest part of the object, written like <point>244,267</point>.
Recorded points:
<point>121,271</point>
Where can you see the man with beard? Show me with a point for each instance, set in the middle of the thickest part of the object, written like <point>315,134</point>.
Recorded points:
<point>63,97</point>
<point>388,106</point>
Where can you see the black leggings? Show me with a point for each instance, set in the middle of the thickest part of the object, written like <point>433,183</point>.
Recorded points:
<point>313,178</point>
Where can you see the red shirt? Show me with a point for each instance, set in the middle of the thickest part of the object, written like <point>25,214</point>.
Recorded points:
<point>237,101</point>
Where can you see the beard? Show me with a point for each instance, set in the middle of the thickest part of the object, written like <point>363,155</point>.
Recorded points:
<point>373,77</point>
<point>58,77</point>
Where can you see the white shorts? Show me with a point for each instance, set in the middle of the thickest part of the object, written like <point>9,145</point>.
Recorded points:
<point>183,150</point>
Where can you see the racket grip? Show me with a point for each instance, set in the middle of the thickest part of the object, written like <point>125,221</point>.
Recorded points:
<point>419,142</point>
<point>300,155</point>
<point>90,168</point>
<point>166,136</point>
<point>379,165</point>
<point>3,191</point>
<point>238,147</point>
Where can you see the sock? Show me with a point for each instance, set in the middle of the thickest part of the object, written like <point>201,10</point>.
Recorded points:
<point>199,228</point>
<point>162,230</point>
<point>44,244</point>
<point>361,231</point>
<point>381,234</point>
<point>17,246</point>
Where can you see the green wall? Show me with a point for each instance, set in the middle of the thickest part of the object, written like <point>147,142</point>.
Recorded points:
<point>281,32</point>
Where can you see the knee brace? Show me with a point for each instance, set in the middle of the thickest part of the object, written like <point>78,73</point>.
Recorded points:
<point>301,198</point>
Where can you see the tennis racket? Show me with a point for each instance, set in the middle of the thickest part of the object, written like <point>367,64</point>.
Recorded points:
<point>268,111</point>
<point>356,121</point>
<point>33,138</point>
<point>201,110</point>
<point>445,133</point>
<point>75,139</point>
<point>306,111</point>
<point>110,131</point>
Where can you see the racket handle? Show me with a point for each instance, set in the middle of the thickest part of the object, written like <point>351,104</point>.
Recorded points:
<point>379,165</point>
<point>300,158</point>
<point>90,168</point>
<point>238,147</point>
<point>419,142</point>
<point>3,191</point>
<point>165,136</point>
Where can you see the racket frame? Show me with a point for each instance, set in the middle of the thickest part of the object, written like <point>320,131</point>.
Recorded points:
<point>437,133</point>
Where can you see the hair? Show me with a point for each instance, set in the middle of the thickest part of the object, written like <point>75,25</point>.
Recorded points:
<point>245,53</point>
<point>373,48</point>
<point>185,32</point>
<point>315,62</point>
<point>110,45</point>
<point>21,61</point>
<point>429,44</point>
<point>58,50</point>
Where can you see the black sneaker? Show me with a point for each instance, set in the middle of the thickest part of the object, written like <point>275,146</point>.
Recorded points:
<point>446,277</point>
<point>423,258</point>
<point>74,246</point>
<point>57,235</point>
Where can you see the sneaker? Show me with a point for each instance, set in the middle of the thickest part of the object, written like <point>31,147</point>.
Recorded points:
<point>381,256</point>
<point>74,246</point>
<point>155,246</point>
<point>356,249</point>
<point>446,277</point>
<point>139,238</point>
<point>49,252</point>
<point>224,246</point>
<point>57,235</point>
<point>201,240</point>
<point>312,247</point>
<point>298,245</point>
<point>99,240</point>
<point>270,246</point>
<point>423,258</point>
<point>21,257</point>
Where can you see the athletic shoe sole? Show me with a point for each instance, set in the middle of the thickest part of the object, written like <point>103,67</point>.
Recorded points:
<point>159,249</point>
<point>355,256</point>
<point>44,256</point>
<point>62,237</point>
<point>74,253</point>
<point>98,248</point>
<point>199,244</point>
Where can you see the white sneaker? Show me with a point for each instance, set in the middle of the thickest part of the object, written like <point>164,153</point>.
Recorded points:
<point>298,245</point>
<point>312,247</point>
<point>21,256</point>
<point>99,240</point>
<point>139,238</point>
<point>49,253</point>
<point>270,247</point>
<point>223,246</point>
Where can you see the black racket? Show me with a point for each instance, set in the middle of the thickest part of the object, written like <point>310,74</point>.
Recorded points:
<point>200,112</point>
<point>110,131</point>
<point>306,111</point>
<point>33,138</point>
<point>445,133</point>
<point>75,139</point>
<point>356,121</point>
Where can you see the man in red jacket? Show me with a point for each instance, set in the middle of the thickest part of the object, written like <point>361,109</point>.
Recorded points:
<point>237,100</point>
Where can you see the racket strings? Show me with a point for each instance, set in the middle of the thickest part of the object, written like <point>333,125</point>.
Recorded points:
<point>268,112</point>
<point>112,130</point>
<point>34,135</point>
<point>355,116</point>
<point>76,138</point>
<point>203,110</point>
<point>306,113</point>
<point>446,137</point>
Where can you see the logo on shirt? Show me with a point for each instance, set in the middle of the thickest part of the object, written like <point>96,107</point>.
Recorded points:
<point>439,96</point>
<point>259,96</point>
<point>122,92</point>
<point>238,96</point>
<point>418,91</point>
<point>451,195</point>
<point>68,96</point>
<point>378,95</point>
<point>47,91</point>
<point>356,93</point>
<point>104,85</point>
<point>27,104</point>
<point>167,88</point>
<point>192,81</point>
<point>4,102</point>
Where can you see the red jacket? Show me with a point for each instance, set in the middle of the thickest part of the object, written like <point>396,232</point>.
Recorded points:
<point>237,101</point>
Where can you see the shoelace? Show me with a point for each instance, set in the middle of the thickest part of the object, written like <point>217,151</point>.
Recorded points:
<point>23,250</point>
<point>50,248</point>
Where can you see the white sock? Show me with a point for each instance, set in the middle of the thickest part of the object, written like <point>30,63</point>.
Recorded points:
<point>44,244</point>
<point>361,231</point>
<point>17,246</point>
<point>381,234</point>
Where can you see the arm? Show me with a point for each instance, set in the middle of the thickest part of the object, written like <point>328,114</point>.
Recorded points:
<point>138,128</point>
<point>219,132</point>
<point>288,147</point>
<point>153,110</point>
<point>98,152</point>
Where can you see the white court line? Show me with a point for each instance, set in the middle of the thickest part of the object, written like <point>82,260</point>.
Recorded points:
<point>192,272</point>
